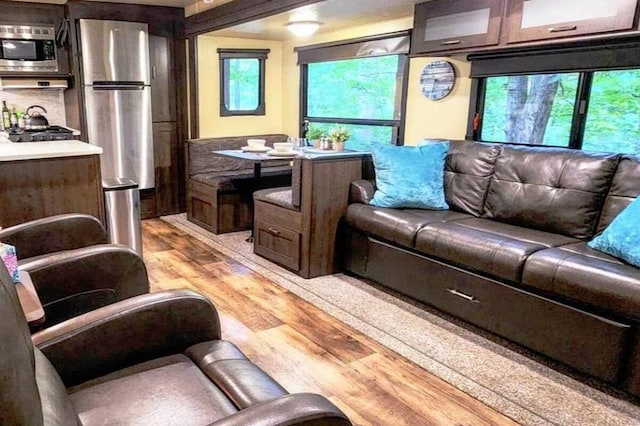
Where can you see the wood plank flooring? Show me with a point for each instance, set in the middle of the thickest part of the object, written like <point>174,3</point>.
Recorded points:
<point>301,346</point>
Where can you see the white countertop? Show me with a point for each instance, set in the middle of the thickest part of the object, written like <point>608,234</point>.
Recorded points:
<point>10,151</point>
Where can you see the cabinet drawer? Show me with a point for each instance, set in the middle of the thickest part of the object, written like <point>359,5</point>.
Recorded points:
<point>278,244</point>
<point>568,334</point>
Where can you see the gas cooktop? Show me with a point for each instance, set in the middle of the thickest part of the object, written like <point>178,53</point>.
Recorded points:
<point>52,133</point>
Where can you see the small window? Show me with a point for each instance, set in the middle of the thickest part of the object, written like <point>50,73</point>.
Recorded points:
<point>531,109</point>
<point>242,81</point>
<point>613,119</point>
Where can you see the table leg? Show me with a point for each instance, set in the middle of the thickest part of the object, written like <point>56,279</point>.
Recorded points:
<point>257,174</point>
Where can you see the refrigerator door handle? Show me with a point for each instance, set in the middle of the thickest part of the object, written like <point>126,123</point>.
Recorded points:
<point>114,84</point>
<point>117,87</point>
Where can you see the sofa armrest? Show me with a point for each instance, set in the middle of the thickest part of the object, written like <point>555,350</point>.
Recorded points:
<point>295,409</point>
<point>361,191</point>
<point>54,233</point>
<point>127,333</point>
<point>75,281</point>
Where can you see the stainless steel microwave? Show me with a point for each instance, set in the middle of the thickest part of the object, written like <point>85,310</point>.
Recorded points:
<point>27,48</point>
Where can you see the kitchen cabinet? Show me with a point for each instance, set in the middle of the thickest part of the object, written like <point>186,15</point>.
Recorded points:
<point>530,20</point>
<point>50,178</point>
<point>162,91</point>
<point>446,25</point>
<point>12,12</point>
<point>165,154</point>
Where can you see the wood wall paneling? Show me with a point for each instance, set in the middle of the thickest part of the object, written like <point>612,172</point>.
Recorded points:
<point>33,189</point>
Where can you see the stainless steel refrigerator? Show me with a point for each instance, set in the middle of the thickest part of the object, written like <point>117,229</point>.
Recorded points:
<point>117,96</point>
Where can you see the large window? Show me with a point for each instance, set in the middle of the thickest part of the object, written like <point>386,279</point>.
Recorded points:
<point>362,93</point>
<point>591,109</point>
<point>242,81</point>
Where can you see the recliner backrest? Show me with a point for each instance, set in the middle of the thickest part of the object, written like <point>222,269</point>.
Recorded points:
<point>19,398</point>
<point>551,189</point>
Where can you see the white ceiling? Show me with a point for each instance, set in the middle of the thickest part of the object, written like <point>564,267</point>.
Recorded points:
<point>333,14</point>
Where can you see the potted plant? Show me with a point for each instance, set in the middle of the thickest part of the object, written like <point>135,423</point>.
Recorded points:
<point>338,136</point>
<point>313,135</point>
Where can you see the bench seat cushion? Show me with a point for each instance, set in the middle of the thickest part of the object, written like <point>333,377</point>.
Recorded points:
<point>580,273</point>
<point>238,179</point>
<point>396,225</point>
<point>279,196</point>
<point>493,248</point>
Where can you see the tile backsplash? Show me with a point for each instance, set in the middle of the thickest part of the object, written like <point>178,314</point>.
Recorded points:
<point>51,99</point>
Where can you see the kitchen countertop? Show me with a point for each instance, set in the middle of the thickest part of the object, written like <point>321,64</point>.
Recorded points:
<point>10,151</point>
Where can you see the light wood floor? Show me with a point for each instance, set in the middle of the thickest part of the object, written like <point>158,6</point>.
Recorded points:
<point>303,348</point>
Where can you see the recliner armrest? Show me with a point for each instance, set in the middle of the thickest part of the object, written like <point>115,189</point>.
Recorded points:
<point>127,333</point>
<point>65,281</point>
<point>294,409</point>
<point>54,233</point>
<point>361,191</point>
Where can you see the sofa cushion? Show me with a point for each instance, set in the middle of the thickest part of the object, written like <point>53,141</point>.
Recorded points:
<point>408,176</point>
<point>625,187</point>
<point>622,237</point>
<point>395,225</point>
<point>467,174</point>
<point>580,273</point>
<point>234,180</point>
<point>554,190</point>
<point>492,248</point>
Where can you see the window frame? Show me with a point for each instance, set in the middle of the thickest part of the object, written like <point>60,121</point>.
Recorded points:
<point>591,59</point>
<point>387,45</point>
<point>224,56</point>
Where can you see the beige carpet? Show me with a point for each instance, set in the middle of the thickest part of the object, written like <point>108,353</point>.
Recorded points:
<point>521,388</point>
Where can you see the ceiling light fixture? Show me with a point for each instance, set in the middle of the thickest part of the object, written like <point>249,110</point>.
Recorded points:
<point>303,28</point>
<point>207,1</point>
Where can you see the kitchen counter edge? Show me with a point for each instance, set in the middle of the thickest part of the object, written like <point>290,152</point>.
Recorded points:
<point>10,151</point>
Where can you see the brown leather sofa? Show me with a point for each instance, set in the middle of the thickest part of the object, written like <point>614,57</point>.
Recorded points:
<point>73,268</point>
<point>511,256</point>
<point>153,359</point>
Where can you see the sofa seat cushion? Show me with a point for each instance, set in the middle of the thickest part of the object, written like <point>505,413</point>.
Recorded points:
<point>168,390</point>
<point>580,273</point>
<point>493,248</point>
<point>396,225</point>
<point>237,179</point>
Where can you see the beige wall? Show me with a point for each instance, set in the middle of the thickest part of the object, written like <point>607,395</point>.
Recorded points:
<point>211,123</point>
<point>446,118</point>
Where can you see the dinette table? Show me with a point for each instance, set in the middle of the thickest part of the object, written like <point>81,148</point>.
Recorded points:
<point>257,158</point>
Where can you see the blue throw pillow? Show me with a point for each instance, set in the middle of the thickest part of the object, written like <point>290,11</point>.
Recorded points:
<point>410,176</point>
<point>622,237</point>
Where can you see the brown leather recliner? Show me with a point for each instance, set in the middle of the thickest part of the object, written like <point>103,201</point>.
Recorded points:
<point>152,359</point>
<point>72,267</point>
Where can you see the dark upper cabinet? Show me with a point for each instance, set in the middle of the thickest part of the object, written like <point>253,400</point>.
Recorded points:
<point>531,20</point>
<point>12,12</point>
<point>162,91</point>
<point>447,25</point>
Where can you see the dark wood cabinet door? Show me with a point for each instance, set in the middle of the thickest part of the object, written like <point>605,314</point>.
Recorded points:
<point>165,153</point>
<point>447,25</point>
<point>531,20</point>
<point>162,91</point>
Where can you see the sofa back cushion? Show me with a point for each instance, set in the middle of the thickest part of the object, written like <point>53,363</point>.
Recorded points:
<point>552,189</point>
<point>201,159</point>
<point>624,189</point>
<point>467,174</point>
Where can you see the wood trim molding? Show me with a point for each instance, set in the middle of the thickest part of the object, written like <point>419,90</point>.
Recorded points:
<point>237,12</point>
<point>194,110</point>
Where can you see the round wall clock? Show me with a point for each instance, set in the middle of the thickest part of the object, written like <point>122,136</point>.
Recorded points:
<point>437,80</point>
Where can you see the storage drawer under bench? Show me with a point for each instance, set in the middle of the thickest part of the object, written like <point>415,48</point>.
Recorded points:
<point>588,342</point>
